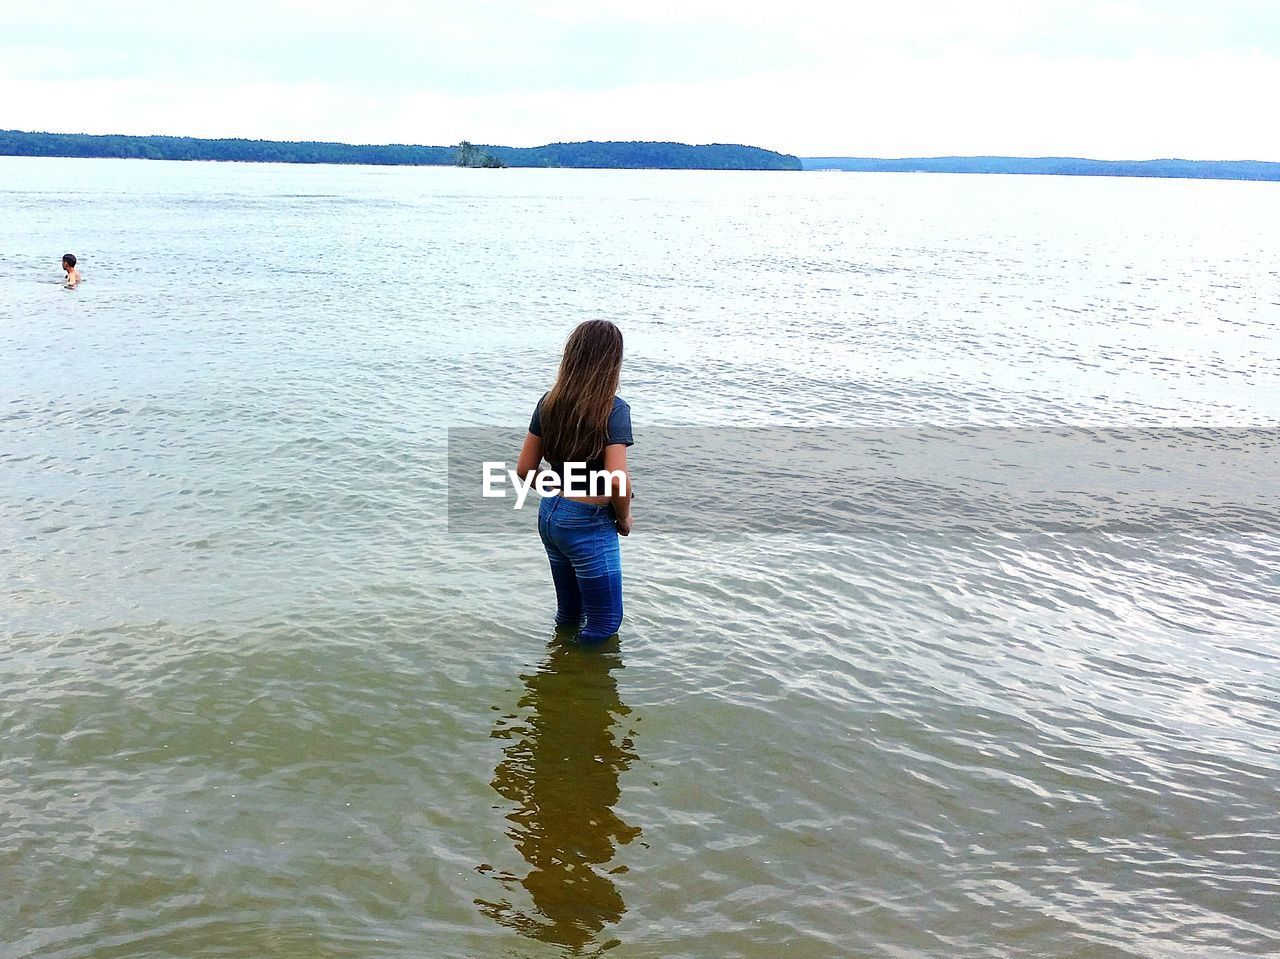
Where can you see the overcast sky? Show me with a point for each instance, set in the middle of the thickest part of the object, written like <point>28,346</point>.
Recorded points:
<point>1116,79</point>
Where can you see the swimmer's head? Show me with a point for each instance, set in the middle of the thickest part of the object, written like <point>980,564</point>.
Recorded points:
<point>68,261</point>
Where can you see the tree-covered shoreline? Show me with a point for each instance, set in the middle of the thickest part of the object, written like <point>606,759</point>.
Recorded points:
<point>590,154</point>
<point>1055,166</point>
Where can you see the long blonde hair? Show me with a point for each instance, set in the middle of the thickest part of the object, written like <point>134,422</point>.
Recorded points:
<point>575,414</point>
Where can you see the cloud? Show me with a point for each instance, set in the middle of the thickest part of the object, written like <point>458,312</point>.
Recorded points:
<point>1114,78</point>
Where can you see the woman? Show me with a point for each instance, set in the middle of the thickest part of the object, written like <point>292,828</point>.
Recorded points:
<point>581,420</point>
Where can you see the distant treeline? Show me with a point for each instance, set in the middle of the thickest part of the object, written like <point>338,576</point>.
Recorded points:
<point>16,143</point>
<point>639,155</point>
<point>607,155</point>
<point>1062,166</point>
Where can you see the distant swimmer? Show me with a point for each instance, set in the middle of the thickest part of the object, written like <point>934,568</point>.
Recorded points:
<point>69,264</point>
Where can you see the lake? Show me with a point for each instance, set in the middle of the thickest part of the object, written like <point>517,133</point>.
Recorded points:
<point>263,694</point>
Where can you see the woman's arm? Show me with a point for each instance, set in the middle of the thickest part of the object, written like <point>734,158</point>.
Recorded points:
<point>615,461</point>
<point>530,457</point>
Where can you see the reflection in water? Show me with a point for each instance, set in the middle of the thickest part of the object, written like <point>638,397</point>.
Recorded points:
<point>561,772</point>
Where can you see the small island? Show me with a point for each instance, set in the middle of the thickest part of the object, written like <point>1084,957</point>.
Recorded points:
<point>470,155</point>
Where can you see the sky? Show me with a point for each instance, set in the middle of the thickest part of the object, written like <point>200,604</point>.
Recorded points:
<point>1113,79</point>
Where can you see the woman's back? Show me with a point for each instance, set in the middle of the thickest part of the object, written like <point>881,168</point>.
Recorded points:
<point>582,428</point>
<point>617,430</point>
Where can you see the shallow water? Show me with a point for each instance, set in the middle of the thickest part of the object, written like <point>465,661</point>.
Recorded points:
<point>258,700</point>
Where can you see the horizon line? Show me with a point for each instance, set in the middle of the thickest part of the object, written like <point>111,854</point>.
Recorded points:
<point>810,156</point>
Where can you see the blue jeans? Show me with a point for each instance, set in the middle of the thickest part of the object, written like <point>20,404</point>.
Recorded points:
<point>586,565</point>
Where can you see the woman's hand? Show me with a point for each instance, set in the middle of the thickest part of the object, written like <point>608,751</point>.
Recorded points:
<point>615,461</point>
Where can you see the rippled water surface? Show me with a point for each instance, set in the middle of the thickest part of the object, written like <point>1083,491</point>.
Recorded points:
<point>257,699</point>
